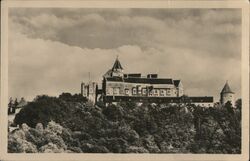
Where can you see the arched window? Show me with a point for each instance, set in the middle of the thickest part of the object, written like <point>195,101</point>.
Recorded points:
<point>163,92</point>
<point>127,91</point>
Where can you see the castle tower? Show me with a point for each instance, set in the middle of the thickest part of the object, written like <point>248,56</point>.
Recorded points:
<point>227,95</point>
<point>116,70</point>
<point>88,90</point>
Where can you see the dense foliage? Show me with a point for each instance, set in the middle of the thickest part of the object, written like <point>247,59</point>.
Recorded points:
<point>71,124</point>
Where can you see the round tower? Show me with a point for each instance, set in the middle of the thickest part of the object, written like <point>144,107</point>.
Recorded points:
<point>227,95</point>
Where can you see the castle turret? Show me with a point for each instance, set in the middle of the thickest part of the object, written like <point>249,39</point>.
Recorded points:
<point>227,95</point>
<point>116,70</point>
<point>89,90</point>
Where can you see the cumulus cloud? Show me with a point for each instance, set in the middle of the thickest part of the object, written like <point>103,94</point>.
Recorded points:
<point>52,50</point>
<point>98,28</point>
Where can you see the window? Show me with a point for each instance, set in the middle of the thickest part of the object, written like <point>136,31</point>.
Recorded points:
<point>91,90</point>
<point>116,91</point>
<point>151,93</point>
<point>156,92</point>
<point>139,90</point>
<point>127,91</point>
<point>168,92</point>
<point>110,91</point>
<point>162,92</point>
<point>134,91</point>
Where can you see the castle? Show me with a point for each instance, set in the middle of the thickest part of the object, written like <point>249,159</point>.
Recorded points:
<point>118,86</point>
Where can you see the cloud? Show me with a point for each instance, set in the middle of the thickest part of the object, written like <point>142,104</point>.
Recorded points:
<point>52,50</point>
<point>211,30</point>
<point>40,66</point>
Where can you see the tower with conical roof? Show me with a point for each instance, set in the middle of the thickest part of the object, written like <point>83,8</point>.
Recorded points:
<point>117,65</point>
<point>116,70</point>
<point>227,95</point>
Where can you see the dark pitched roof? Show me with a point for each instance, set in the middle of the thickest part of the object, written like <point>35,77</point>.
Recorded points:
<point>136,75</point>
<point>177,82</point>
<point>115,79</point>
<point>149,80</point>
<point>117,65</point>
<point>141,80</point>
<point>226,89</point>
<point>108,73</point>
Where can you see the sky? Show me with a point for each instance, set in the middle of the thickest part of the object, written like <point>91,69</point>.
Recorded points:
<point>52,50</point>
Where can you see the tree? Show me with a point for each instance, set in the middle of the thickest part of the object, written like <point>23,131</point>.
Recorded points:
<point>15,105</point>
<point>238,104</point>
<point>113,112</point>
<point>185,99</point>
<point>33,140</point>
<point>42,110</point>
<point>124,128</point>
<point>229,107</point>
<point>73,98</point>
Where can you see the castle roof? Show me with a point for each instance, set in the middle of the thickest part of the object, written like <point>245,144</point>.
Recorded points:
<point>108,73</point>
<point>149,80</point>
<point>141,80</point>
<point>226,89</point>
<point>177,82</point>
<point>117,65</point>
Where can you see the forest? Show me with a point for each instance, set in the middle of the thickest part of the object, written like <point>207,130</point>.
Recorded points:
<point>71,124</point>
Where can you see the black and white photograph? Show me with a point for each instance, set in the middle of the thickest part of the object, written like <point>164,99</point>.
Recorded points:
<point>127,80</point>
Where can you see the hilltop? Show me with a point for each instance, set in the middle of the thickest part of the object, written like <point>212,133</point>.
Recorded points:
<point>69,123</point>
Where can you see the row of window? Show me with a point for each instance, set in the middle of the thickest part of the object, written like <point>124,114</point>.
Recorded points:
<point>162,92</point>
<point>140,91</point>
<point>204,105</point>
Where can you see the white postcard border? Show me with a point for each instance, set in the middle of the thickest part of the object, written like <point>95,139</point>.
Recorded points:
<point>125,4</point>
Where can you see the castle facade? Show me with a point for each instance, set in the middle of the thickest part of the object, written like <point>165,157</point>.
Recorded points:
<point>116,83</point>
